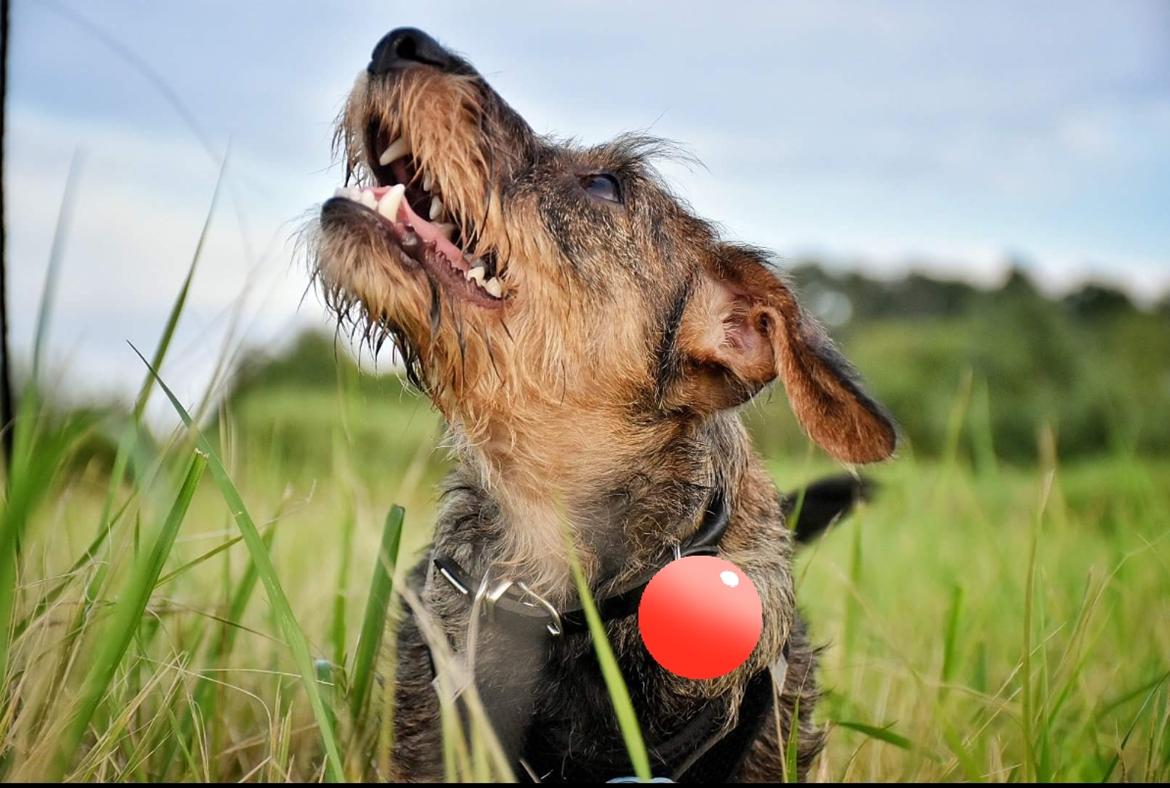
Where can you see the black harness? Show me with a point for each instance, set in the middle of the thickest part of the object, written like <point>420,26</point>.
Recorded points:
<point>705,749</point>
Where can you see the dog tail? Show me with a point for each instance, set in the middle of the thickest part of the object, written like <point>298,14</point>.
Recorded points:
<point>825,501</point>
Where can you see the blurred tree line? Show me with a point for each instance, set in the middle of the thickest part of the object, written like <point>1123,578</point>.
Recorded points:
<point>985,369</point>
<point>976,371</point>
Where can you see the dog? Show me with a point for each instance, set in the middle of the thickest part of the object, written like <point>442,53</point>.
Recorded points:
<point>588,341</point>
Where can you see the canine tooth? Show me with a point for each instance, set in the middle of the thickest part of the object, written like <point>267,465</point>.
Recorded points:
<point>447,231</point>
<point>436,208</point>
<point>494,287</point>
<point>368,199</point>
<point>388,206</point>
<point>396,151</point>
<point>428,181</point>
<point>475,275</point>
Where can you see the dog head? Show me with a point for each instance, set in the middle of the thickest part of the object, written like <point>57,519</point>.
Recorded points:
<point>531,284</point>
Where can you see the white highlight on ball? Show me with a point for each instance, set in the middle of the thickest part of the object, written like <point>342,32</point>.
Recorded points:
<point>729,578</point>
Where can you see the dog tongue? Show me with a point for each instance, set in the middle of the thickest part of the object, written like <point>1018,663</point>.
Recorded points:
<point>428,232</point>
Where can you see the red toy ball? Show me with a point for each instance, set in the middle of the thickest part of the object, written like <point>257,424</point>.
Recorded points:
<point>700,617</point>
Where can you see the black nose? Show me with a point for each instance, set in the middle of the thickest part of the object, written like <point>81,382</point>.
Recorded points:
<point>408,46</point>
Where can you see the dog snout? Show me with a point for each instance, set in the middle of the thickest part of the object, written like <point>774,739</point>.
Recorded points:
<point>408,46</point>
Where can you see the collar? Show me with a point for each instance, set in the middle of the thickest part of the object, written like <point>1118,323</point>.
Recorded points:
<point>512,603</point>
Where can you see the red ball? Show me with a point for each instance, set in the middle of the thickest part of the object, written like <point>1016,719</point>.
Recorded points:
<point>700,617</point>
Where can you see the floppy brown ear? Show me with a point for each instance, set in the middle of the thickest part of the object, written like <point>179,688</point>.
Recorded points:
<point>742,328</point>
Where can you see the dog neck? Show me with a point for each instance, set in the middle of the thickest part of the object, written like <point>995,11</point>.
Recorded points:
<point>620,499</point>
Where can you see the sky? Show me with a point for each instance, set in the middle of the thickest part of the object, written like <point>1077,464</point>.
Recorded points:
<point>945,137</point>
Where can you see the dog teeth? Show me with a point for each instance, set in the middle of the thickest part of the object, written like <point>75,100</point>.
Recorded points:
<point>447,231</point>
<point>428,181</point>
<point>436,208</point>
<point>475,275</point>
<point>493,287</point>
<point>388,206</point>
<point>396,151</point>
<point>367,199</point>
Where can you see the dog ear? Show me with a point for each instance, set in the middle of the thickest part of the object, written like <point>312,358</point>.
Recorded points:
<point>742,328</point>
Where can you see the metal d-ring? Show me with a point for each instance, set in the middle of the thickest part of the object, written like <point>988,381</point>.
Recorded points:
<point>485,599</point>
<point>554,626</point>
<point>490,598</point>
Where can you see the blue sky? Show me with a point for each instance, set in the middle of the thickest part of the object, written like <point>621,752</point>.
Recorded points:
<point>881,135</point>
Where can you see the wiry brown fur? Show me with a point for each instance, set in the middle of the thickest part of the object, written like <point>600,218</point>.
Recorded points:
<point>600,398</point>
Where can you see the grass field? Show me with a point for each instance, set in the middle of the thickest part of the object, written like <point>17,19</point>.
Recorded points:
<point>1003,625</point>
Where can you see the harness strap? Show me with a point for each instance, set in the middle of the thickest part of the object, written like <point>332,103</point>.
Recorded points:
<point>724,754</point>
<point>704,750</point>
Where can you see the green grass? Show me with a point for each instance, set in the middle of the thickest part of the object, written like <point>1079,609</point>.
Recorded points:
<point>996,639</point>
<point>1001,625</point>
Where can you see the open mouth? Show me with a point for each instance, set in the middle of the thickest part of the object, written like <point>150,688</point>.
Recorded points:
<point>403,194</point>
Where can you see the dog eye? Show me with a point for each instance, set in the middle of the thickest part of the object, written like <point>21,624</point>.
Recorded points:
<point>602,186</point>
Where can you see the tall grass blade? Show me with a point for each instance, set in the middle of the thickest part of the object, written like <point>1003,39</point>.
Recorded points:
<point>129,445</point>
<point>792,746</point>
<point>982,431</point>
<point>954,742</point>
<point>339,626</point>
<point>130,435</point>
<point>37,461</point>
<point>32,465</point>
<point>327,679</point>
<point>56,252</point>
<point>203,699</point>
<point>853,611</point>
<point>180,302</point>
<point>950,644</point>
<point>47,600</point>
<point>281,608</point>
<point>377,605</point>
<point>1112,765</point>
<point>615,683</point>
<point>194,562</point>
<point>881,734</point>
<point>954,429</point>
<point>1112,705</point>
<point>1028,699</point>
<point>127,614</point>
